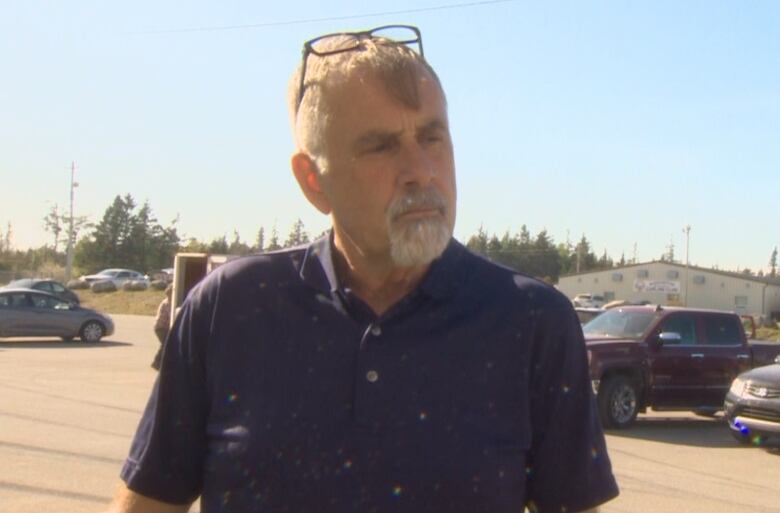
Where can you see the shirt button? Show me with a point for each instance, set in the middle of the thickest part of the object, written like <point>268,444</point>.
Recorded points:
<point>372,376</point>
<point>376,331</point>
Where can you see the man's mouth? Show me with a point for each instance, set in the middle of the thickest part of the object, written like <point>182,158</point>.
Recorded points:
<point>419,213</point>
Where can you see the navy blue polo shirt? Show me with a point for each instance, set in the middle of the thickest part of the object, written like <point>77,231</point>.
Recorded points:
<point>281,391</point>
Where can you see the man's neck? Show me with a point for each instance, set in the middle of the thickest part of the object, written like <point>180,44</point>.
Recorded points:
<point>377,280</point>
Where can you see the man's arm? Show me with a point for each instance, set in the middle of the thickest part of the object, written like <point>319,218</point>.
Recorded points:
<point>128,501</point>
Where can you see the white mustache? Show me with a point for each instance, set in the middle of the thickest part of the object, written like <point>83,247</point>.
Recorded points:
<point>420,199</point>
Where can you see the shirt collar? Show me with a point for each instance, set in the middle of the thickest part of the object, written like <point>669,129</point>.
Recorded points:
<point>441,280</point>
<point>317,269</point>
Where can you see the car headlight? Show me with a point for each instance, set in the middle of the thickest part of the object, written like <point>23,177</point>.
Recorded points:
<point>737,387</point>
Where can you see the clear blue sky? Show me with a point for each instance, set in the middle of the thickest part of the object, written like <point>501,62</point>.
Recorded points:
<point>624,121</point>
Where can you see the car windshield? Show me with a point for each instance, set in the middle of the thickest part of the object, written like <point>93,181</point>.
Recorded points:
<point>619,323</point>
<point>108,273</point>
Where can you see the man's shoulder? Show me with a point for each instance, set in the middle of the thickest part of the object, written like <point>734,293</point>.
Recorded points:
<point>256,271</point>
<point>498,279</point>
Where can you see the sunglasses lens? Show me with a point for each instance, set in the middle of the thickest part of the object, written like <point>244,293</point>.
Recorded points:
<point>334,44</point>
<point>396,35</point>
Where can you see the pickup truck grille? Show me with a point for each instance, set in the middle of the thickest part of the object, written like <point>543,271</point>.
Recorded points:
<point>763,392</point>
<point>761,413</point>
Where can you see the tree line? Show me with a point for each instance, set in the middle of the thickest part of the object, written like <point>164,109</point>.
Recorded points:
<point>129,235</point>
<point>539,255</point>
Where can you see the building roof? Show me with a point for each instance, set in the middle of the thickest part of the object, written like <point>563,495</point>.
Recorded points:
<point>768,280</point>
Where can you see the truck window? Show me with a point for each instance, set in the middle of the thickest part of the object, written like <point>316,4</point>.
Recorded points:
<point>685,325</point>
<point>619,323</point>
<point>722,330</point>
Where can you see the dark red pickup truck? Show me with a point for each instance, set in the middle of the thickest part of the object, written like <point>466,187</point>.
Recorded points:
<point>667,358</point>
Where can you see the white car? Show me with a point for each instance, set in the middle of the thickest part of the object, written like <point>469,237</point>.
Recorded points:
<point>117,276</point>
<point>588,301</point>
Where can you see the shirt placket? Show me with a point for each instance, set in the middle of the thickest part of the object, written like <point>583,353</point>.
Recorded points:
<point>371,379</point>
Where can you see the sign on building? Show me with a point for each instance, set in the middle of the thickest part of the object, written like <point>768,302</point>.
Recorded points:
<point>666,287</point>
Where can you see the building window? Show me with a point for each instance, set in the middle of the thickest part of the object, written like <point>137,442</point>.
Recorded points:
<point>609,296</point>
<point>672,274</point>
<point>740,301</point>
<point>642,273</point>
<point>699,280</point>
<point>617,276</point>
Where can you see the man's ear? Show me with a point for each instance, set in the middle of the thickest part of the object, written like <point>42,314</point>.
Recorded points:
<point>308,177</point>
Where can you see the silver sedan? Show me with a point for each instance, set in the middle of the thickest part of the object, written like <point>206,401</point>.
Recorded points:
<point>31,313</point>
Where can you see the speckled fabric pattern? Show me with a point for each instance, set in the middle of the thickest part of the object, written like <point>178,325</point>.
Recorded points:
<point>281,391</point>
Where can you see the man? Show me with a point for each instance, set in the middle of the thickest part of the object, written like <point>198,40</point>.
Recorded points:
<point>383,367</point>
<point>162,324</point>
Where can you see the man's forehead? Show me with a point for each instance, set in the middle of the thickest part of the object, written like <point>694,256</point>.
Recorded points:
<point>422,125</point>
<point>405,83</point>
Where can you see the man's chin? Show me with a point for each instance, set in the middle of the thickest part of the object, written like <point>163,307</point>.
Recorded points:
<point>419,243</point>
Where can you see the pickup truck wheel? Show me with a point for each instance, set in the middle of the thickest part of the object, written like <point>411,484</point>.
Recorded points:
<point>618,402</point>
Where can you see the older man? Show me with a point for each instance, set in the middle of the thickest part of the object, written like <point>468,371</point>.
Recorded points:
<point>383,367</point>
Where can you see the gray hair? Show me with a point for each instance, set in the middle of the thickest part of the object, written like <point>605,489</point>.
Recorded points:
<point>396,65</point>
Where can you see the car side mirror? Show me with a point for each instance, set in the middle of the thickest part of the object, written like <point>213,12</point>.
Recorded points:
<point>777,359</point>
<point>669,337</point>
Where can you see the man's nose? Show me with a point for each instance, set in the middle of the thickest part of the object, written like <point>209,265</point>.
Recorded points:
<point>417,167</point>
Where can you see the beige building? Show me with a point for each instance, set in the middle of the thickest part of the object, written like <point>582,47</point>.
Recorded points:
<point>668,283</point>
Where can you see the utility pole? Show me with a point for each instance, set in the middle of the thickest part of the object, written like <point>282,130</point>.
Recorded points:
<point>69,254</point>
<point>633,259</point>
<point>579,252</point>
<point>687,232</point>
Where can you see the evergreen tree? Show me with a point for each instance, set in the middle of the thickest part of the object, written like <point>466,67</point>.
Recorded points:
<point>273,243</point>
<point>545,258</point>
<point>125,238</point>
<point>478,243</point>
<point>297,235</point>
<point>260,243</point>
<point>218,246</point>
<point>52,222</point>
<point>237,247</point>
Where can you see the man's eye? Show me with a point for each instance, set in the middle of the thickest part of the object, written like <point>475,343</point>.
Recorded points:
<point>432,138</point>
<point>381,147</point>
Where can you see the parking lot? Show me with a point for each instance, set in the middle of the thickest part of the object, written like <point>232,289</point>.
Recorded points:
<point>68,412</point>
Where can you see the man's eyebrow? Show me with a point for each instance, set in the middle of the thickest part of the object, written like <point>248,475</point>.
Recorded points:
<point>374,137</point>
<point>432,126</point>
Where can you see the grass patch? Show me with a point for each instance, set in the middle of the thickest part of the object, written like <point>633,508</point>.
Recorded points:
<point>768,334</point>
<point>136,302</point>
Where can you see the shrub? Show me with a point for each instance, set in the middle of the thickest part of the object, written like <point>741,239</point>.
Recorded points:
<point>103,286</point>
<point>159,284</point>
<point>77,285</point>
<point>135,285</point>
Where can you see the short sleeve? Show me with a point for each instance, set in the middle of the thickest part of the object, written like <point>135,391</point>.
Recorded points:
<point>569,469</point>
<point>166,456</point>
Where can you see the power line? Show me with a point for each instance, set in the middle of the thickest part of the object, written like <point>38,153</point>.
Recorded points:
<point>318,20</point>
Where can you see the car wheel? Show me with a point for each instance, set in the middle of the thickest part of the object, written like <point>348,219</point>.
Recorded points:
<point>92,332</point>
<point>618,402</point>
